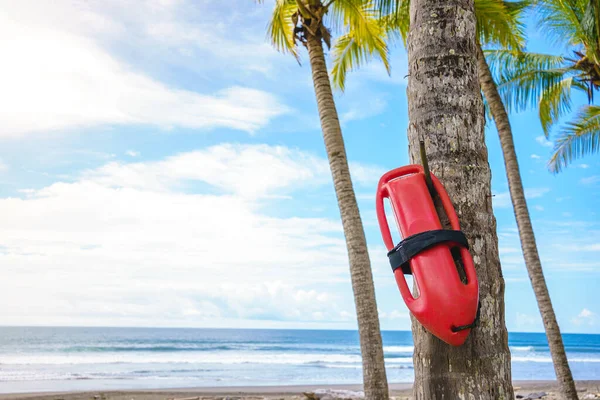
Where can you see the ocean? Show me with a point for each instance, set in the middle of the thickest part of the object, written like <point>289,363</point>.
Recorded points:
<point>54,359</point>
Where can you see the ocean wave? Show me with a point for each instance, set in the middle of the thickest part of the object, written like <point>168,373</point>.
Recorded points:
<point>359,366</point>
<point>548,359</point>
<point>141,347</point>
<point>248,357</point>
<point>26,376</point>
<point>522,348</point>
<point>176,358</point>
<point>188,358</point>
<point>203,347</point>
<point>398,349</point>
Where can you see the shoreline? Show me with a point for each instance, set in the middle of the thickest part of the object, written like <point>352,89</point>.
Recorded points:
<point>398,390</point>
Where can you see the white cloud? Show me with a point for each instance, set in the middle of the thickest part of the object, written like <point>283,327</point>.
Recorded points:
<point>395,314</point>
<point>365,174</point>
<point>514,261</point>
<point>535,157</point>
<point>573,266</point>
<point>538,207</point>
<point>81,85</point>
<point>364,110</point>
<point>508,250</point>
<point>347,315</point>
<point>502,199</point>
<point>515,280</point>
<point>392,315</point>
<point>543,141</point>
<point>534,193</point>
<point>590,180</point>
<point>528,322</point>
<point>190,38</point>
<point>375,72</point>
<point>250,171</point>
<point>124,244</point>
<point>132,153</point>
<point>583,247</point>
<point>585,317</point>
<point>3,166</point>
<point>585,313</point>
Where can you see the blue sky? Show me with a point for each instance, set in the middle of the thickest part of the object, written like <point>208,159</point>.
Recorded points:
<point>162,165</point>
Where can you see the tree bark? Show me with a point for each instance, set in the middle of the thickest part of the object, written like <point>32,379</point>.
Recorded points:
<point>446,111</point>
<point>374,376</point>
<point>528,243</point>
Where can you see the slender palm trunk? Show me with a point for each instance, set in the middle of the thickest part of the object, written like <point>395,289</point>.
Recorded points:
<point>528,244</point>
<point>374,377</point>
<point>446,111</point>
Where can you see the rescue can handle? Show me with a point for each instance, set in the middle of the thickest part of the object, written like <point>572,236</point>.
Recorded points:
<point>382,193</point>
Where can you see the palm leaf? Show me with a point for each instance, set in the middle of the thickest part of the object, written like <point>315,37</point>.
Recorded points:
<point>590,24</point>
<point>352,15</point>
<point>522,78</point>
<point>397,24</point>
<point>365,39</point>
<point>555,101</point>
<point>500,23</point>
<point>562,19</point>
<point>281,27</point>
<point>580,137</point>
<point>351,51</point>
<point>386,7</point>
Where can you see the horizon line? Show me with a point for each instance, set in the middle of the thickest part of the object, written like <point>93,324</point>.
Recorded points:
<point>236,328</point>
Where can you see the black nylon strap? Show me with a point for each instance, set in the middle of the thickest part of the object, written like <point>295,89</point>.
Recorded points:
<point>471,325</point>
<point>400,255</point>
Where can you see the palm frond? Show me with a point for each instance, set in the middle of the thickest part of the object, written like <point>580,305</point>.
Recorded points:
<point>555,101</point>
<point>354,15</point>
<point>562,19</point>
<point>364,40</point>
<point>386,7</point>
<point>350,51</point>
<point>397,24</point>
<point>281,27</point>
<point>580,137</point>
<point>500,23</point>
<point>522,78</point>
<point>590,24</point>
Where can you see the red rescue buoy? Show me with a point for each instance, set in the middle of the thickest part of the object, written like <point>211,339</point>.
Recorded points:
<point>446,306</point>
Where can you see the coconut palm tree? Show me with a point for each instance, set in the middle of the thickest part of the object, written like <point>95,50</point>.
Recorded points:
<point>549,81</point>
<point>526,235</point>
<point>445,110</point>
<point>498,24</point>
<point>444,100</point>
<point>510,37</point>
<point>310,23</point>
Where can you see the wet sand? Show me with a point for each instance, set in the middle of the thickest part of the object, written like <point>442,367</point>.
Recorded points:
<point>398,391</point>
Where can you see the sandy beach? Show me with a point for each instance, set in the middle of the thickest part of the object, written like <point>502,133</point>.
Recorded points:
<point>547,389</point>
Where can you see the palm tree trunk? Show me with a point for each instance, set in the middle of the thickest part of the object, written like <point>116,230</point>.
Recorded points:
<point>528,244</point>
<point>374,377</point>
<point>446,111</point>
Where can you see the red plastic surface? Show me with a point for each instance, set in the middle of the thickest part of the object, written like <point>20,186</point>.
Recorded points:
<point>444,301</point>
